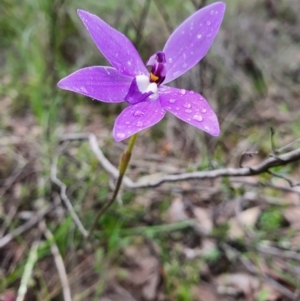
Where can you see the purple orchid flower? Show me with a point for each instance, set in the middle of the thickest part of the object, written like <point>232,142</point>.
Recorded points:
<point>146,94</point>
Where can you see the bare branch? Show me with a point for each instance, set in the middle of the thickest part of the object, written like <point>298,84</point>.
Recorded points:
<point>63,195</point>
<point>26,226</point>
<point>147,182</point>
<point>58,262</point>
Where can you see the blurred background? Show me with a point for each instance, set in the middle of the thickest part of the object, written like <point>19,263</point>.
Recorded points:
<point>224,239</point>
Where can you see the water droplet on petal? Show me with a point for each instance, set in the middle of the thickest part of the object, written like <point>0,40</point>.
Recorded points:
<point>209,35</point>
<point>175,73</point>
<point>182,91</point>
<point>177,108</point>
<point>184,65</point>
<point>203,110</point>
<point>206,128</point>
<point>208,23</point>
<point>212,12</point>
<point>138,113</point>
<point>127,122</point>
<point>188,111</point>
<point>187,105</point>
<point>172,100</point>
<point>129,63</point>
<point>121,135</point>
<point>192,92</point>
<point>139,124</point>
<point>170,60</point>
<point>83,89</point>
<point>199,36</point>
<point>197,117</point>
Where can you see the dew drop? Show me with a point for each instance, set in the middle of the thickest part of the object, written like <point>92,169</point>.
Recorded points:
<point>172,100</point>
<point>121,135</point>
<point>138,113</point>
<point>208,22</point>
<point>175,73</point>
<point>203,110</point>
<point>206,128</point>
<point>129,63</point>
<point>192,92</point>
<point>170,60</point>
<point>199,36</point>
<point>197,117</point>
<point>127,122</point>
<point>177,108</point>
<point>182,91</point>
<point>188,111</point>
<point>139,124</point>
<point>212,12</point>
<point>83,89</point>
<point>184,65</point>
<point>187,105</point>
<point>209,35</point>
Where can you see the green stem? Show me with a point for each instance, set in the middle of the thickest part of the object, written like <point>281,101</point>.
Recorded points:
<point>124,161</point>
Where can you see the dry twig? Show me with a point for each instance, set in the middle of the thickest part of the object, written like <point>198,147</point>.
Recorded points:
<point>26,226</point>
<point>147,182</point>
<point>58,262</point>
<point>63,195</point>
<point>254,270</point>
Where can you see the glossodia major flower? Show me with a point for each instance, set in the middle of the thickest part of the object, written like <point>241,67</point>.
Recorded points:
<point>147,95</point>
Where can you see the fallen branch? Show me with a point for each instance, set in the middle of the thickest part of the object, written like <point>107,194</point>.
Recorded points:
<point>148,182</point>
<point>64,197</point>
<point>58,262</point>
<point>25,227</point>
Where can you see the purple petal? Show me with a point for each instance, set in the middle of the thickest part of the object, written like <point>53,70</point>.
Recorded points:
<point>137,117</point>
<point>115,46</point>
<point>190,107</point>
<point>192,39</point>
<point>102,83</point>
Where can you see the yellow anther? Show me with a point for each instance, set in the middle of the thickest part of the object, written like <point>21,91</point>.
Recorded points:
<point>153,78</point>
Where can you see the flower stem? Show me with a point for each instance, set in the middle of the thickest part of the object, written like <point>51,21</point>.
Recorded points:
<point>124,161</point>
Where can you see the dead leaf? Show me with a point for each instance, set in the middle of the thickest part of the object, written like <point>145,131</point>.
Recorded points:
<point>204,219</point>
<point>205,293</point>
<point>234,284</point>
<point>176,212</point>
<point>115,292</point>
<point>143,271</point>
<point>247,219</point>
<point>292,215</point>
